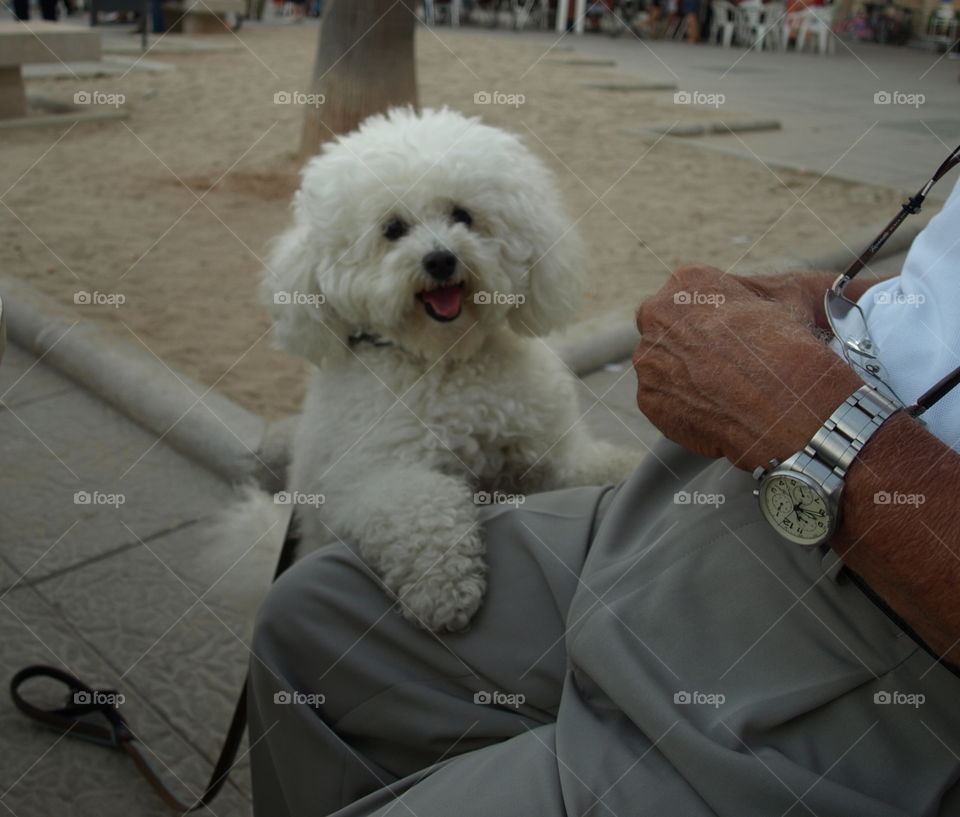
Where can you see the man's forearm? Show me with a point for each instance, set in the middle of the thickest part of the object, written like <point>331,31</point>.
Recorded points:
<point>901,528</point>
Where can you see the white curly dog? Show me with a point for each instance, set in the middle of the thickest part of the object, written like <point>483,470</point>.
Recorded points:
<point>427,253</point>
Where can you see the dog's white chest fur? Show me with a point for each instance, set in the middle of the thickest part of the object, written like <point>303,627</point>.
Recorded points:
<point>490,420</point>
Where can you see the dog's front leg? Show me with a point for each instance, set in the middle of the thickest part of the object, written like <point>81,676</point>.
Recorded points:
<point>579,459</point>
<point>418,529</point>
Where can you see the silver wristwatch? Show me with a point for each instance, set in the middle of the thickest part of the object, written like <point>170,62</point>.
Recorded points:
<point>800,497</point>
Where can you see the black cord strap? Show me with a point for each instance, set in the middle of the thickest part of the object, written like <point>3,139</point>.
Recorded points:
<point>910,207</point>
<point>84,701</point>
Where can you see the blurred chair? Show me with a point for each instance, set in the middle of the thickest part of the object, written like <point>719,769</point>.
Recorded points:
<point>579,15</point>
<point>759,25</point>
<point>817,22</point>
<point>724,22</point>
<point>526,12</point>
<point>746,16</point>
<point>430,11</point>
<point>773,16</point>
<point>942,26</point>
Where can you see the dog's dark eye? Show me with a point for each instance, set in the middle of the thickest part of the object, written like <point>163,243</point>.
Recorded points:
<point>395,229</point>
<point>462,216</point>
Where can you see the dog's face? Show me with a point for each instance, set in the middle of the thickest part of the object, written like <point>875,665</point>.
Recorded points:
<point>428,231</point>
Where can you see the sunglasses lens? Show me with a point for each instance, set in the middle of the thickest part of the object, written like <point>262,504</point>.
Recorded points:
<point>849,326</point>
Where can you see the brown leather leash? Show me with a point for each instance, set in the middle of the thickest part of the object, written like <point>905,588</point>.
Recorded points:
<point>84,701</point>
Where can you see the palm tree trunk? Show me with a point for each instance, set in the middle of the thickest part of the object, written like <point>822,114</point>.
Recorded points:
<point>364,65</point>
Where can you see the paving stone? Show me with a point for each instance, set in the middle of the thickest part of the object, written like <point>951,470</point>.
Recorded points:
<point>121,43</point>
<point>175,623</point>
<point>42,773</point>
<point>69,443</point>
<point>109,66</point>
<point>22,380</point>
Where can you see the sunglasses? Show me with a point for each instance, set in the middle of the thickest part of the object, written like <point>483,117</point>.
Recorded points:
<point>849,324</point>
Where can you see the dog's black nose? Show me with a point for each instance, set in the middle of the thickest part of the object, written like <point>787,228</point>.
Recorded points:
<point>440,264</point>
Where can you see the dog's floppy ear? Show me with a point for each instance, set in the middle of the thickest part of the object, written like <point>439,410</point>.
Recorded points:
<point>304,322</point>
<point>555,277</point>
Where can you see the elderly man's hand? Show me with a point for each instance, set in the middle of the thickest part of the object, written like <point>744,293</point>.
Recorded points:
<point>726,371</point>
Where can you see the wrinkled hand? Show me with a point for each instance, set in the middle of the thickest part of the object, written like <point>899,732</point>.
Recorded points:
<point>725,370</point>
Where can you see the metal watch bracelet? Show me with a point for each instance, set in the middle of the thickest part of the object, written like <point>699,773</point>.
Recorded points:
<point>828,455</point>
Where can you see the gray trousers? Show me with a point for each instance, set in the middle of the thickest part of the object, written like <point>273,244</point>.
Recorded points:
<point>649,649</point>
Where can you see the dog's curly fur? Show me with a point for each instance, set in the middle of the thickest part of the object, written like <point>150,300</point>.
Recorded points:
<point>403,424</point>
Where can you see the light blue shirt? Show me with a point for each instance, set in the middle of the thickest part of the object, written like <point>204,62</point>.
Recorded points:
<point>914,319</point>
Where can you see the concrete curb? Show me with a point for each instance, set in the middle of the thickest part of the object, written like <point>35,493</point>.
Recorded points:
<point>707,128</point>
<point>629,87</point>
<point>204,425</point>
<point>61,119</point>
<point>581,61</point>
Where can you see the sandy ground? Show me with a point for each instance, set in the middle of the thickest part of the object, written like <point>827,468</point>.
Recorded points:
<point>172,208</point>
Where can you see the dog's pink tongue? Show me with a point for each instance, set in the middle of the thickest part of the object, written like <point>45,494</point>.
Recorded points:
<point>445,301</point>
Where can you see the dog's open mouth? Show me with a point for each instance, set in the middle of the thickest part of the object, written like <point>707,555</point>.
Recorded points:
<point>443,303</point>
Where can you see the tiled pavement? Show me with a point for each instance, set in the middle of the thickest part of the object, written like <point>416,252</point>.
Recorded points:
<point>131,596</point>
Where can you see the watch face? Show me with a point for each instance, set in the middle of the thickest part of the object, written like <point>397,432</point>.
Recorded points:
<point>796,509</point>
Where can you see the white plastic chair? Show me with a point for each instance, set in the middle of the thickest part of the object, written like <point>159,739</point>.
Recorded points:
<point>818,23</point>
<point>579,16</point>
<point>772,18</point>
<point>430,12</point>
<point>527,12</point>
<point>759,25</point>
<point>746,16</point>
<point>724,22</point>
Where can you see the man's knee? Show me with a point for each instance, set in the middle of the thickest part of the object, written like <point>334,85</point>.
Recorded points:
<point>303,607</point>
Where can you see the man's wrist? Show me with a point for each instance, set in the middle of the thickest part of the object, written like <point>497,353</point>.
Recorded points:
<point>898,525</point>
<point>814,407</point>
<point>868,477</point>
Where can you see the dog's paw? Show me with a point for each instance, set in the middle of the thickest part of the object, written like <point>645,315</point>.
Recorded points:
<point>620,463</point>
<point>602,464</point>
<point>441,602</point>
